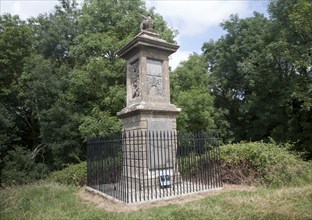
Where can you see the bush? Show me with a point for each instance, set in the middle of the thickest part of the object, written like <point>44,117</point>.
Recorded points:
<point>266,164</point>
<point>75,174</point>
<point>21,167</point>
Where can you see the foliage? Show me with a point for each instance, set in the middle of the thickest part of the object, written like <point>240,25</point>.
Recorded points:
<point>53,201</point>
<point>75,174</point>
<point>261,73</point>
<point>99,124</point>
<point>22,166</point>
<point>15,46</point>
<point>264,163</point>
<point>61,81</point>
<point>190,90</point>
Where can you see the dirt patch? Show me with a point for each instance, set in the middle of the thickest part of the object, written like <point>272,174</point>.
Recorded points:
<point>116,206</point>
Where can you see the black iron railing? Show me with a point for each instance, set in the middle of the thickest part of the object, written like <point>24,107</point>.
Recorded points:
<point>140,165</point>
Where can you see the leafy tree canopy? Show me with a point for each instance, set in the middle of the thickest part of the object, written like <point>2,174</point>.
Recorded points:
<point>262,74</point>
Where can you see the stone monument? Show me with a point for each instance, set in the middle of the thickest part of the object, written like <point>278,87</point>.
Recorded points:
<point>148,102</point>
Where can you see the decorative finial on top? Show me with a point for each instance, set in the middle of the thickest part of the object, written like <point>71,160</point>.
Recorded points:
<point>147,24</point>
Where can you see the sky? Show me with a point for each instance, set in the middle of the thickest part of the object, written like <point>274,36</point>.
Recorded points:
<point>197,21</point>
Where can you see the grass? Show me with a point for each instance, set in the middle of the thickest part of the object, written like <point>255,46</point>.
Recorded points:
<point>44,201</point>
<point>54,201</point>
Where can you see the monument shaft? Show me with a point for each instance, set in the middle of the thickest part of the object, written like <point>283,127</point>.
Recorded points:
<point>148,106</point>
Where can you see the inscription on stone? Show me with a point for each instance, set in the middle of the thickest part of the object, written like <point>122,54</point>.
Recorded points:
<point>160,149</point>
<point>154,77</point>
<point>160,125</point>
<point>133,70</point>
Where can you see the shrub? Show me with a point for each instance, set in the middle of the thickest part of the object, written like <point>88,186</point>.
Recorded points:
<point>75,174</point>
<point>20,167</point>
<point>267,164</point>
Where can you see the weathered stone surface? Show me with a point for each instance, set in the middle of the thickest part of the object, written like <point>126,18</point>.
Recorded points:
<point>148,107</point>
<point>147,24</point>
<point>154,77</point>
<point>147,69</point>
<point>159,125</point>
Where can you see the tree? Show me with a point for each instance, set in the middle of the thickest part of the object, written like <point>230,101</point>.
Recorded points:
<point>262,74</point>
<point>191,87</point>
<point>15,46</point>
<point>234,63</point>
<point>54,32</point>
<point>291,52</point>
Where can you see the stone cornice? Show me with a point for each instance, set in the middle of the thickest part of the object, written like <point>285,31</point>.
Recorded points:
<point>149,40</point>
<point>148,107</point>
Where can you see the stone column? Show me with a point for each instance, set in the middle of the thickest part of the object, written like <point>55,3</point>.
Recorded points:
<point>148,103</point>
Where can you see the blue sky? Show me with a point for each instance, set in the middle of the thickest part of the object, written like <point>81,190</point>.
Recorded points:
<point>196,20</point>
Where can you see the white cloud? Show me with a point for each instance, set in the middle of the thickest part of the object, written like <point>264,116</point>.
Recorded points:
<point>177,57</point>
<point>195,17</point>
<point>16,7</point>
<point>29,8</point>
<point>198,20</point>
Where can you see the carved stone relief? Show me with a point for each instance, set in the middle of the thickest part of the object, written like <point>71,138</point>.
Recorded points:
<point>154,77</point>
<point>133,70</point>
<point>147,24</point>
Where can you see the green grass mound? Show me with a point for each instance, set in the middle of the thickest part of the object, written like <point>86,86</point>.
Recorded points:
<point>268,164</point>
<point>75,174</point>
